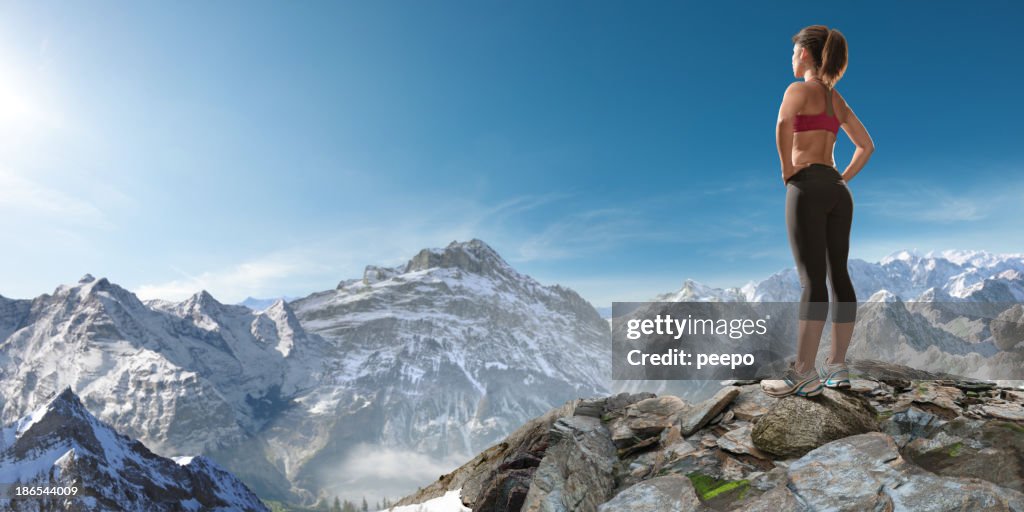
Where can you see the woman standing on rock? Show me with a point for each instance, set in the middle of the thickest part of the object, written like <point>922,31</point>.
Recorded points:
<point>819,205</point>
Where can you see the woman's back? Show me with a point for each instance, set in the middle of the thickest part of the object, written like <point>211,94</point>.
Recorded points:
<point>813,142</point>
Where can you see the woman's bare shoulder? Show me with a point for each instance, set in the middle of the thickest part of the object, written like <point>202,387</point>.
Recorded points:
<point>840,104</point>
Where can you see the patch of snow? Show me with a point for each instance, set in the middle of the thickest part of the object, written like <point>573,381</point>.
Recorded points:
<point>450,502</point>
<point>190,504</point>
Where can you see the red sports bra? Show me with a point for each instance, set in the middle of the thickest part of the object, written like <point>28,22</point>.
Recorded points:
<point>823,121</point>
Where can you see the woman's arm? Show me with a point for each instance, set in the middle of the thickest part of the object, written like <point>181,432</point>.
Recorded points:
<point>859,135</point>
<point>791,102</point>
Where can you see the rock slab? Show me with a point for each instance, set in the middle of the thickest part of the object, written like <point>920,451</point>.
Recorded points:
<point>795,425</point>
<point>577,472</point>
<point>669,492</point>
<point>866,472</point>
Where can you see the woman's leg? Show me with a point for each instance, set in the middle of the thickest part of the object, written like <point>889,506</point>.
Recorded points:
<point>844,306</point>
<point>806,222</point>
<point>808,340</point>
<point>842,333</point>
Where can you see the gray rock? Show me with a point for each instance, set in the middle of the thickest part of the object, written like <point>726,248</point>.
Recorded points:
<point>700,414</point>
<point>498,478</point>
<point>1008,328</point>
<point>992,451</point>
<point>797,425</point>
<point>940,400</point>
<point>974,385</point>
<point>679,449</point>
<point>576,473</point>
<point>751,402</point>
<point>779,498</point>
<point>910,424</point>
<point>738,441</point>
<point>644,419</point>
<point>863,385</point>
<point>617,403</point>
<point>866,472</point>
<point>593,407</point>
<point>669,492</point>
<point>1005,411</point>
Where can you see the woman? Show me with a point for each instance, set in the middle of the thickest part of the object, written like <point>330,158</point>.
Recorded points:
<point>819,206</point>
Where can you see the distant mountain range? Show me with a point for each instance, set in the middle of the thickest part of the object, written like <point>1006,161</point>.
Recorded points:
<point>908,275</point>
<point>436,358</point>
<point>261,304</point>
<point>931,310</point>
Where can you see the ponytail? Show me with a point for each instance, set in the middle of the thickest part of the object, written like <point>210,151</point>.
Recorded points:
<point>828,49</point>
<point>833,58</point>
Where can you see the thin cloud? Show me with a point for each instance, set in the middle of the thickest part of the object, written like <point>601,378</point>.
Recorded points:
<point>319,262</point>
<point>22,197</point>
<point>254,278</point>
<point>587,232</point>
<point>912,201</point>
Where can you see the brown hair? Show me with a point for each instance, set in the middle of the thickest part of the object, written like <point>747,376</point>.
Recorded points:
<point>828,49</point>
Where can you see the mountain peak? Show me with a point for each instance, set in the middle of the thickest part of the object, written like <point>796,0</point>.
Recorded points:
<point>62,443</point>
<point>280,308</point>
<point>203,299</point>
<point>884,295</point>
<point>68,405</point>
<point>472,256</point>
<point>87,278</point>
<point>69,396</point>
<point>901,255</point>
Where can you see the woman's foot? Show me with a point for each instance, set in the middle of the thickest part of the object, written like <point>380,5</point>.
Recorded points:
<point>794,383</point>
<point>834,375</point>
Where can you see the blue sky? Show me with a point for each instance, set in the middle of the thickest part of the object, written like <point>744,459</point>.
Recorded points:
<point>268,148</point>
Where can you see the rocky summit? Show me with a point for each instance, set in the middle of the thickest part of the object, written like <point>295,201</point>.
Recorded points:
<point>898,439</point>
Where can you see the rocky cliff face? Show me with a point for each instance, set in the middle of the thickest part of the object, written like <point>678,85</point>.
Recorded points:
<point>63,445</point>
<point>892,442</point>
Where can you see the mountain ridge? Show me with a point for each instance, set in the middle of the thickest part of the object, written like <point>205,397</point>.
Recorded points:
<point>63,445</point>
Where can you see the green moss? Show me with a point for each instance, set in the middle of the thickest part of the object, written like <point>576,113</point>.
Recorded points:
<point>708,487</point>
<point>954,451</point>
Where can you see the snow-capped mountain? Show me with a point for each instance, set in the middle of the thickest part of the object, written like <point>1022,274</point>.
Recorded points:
<point>185,378</point>
<point>62,445</point>
<point>449,351</point>
<point>439,356</point>
<point>932,310</point>
<point>260,304</point>
<point>910,275</point>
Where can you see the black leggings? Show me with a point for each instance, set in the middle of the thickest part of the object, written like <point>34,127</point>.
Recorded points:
<point>819,213</point>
